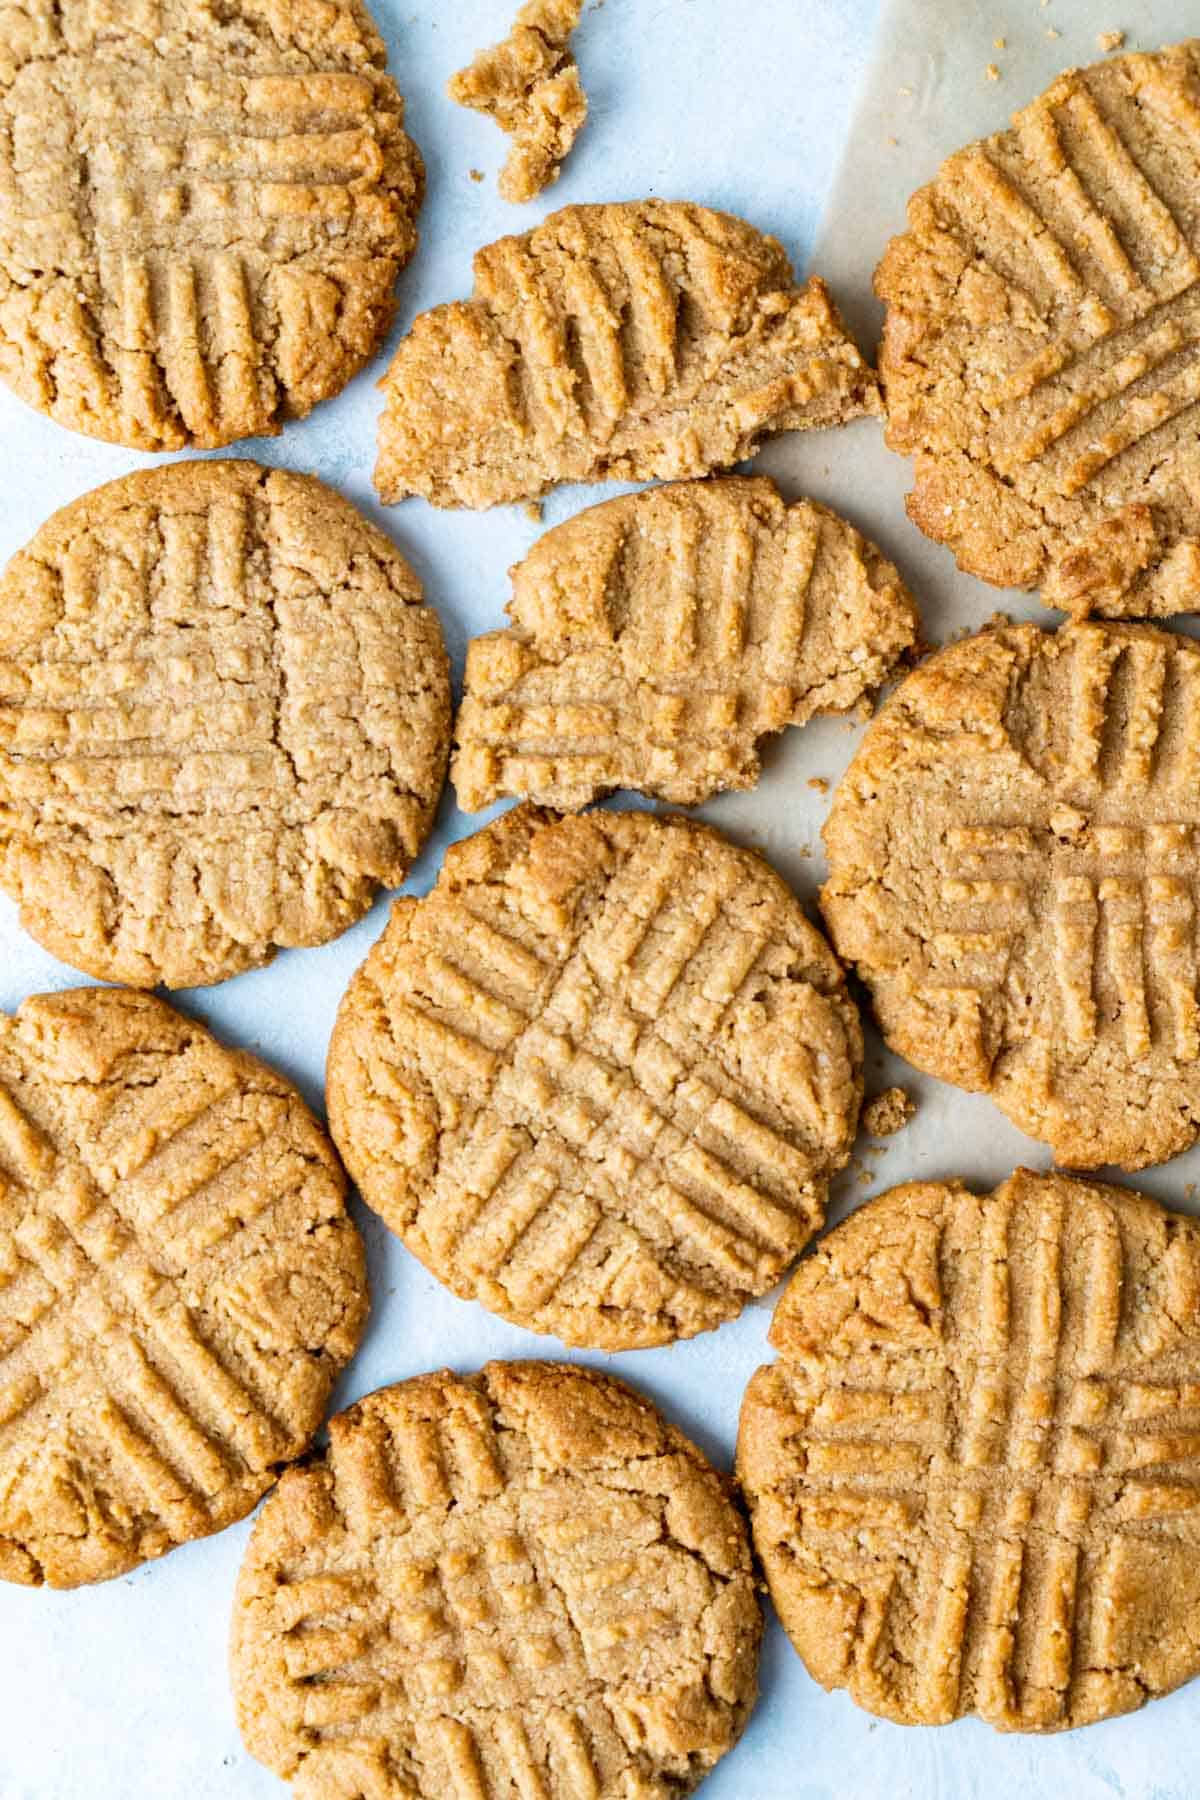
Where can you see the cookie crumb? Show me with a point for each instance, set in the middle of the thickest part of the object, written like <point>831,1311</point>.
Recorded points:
<point>533,511</point>
<point>818,783</point>
<point>530,85</point>
<point>475,174</point>
<point>888,1112</point>
<point>999,43</point>
<point>992,72</point>
<point>1053,32</point>
<point>1111,40</point>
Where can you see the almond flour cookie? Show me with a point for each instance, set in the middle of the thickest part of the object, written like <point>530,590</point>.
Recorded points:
<point>179,1283</point>
<point>600,1077</point>
<point>1014,857</point>
<point>974,1472</point>
<point>203,210</point>
<point>658,637</point>
<point>632,342</point>
<point>523,1582</point>
<point>530,85</point>
<point>224,718</point>
<point>1040,352</point>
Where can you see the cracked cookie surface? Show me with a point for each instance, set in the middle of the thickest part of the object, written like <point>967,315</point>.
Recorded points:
<point>224,720</point>
<point>180,1284</point>
<point>657,638</point>
<point>974,1470</point>
<point>640,341</point>
<point>204,205</point>
<point>530,85</point>
<point>523,1581</point>
<point>1041,352</point>
<point>599,1079</point>
<point>1014,868</point>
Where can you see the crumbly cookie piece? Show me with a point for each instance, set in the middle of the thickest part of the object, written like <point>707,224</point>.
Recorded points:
<point>600,1077</point>
<point>658,637</point>
<point>519,1582</point>
<point>204,209</point>
<point>889,1112</point>
<point>1014,858</point>
<point>974,1471</point>
<point>180,1284</point>
<point>224,720</point>
<point>1039,357</point>
<point>632,342</point>
<point>530,85</point>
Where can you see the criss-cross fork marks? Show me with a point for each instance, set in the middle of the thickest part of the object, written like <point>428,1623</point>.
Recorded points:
<point>1075,215</point>
<point>600,1126</point>
<point>213,214</point>
<point>1112,895</point>
<point>703,618</point>
<point>94,1330</point>
<point>1026,1465</point>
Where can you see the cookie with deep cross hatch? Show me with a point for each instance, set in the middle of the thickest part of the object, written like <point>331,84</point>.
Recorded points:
<point>203,211</point>
<point>180,1284</point>
<point>224,719</point>
<point>974,1470</point>
<point>640,341</point>
<point>521,1582</point>
<point>600,1077</point>
<point>1014,867</point>
<point>1039,357</point>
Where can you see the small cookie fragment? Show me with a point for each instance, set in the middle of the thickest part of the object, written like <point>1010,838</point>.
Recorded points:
<point>224,720</point>
<point>1039,355</point>
<point>180,1284</point>
<point>1014,868</point>
<point>1111,40</point>
<point>530,85</point>
<point>518,1582</point>
<point>600,1077</point>
<point>641,341</point>
<point>657,638</point>
<point>974,1470</point>
<point>205,208</point>
<point>888,1112</point>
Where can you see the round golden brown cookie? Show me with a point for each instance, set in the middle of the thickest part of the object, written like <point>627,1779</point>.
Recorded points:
<point>657,638</point>
<point>974,1471</point>
<point>1014,861</point>
<point>519,1582</point>
<point>1039,352</point>
<point>224,721</point>
<point>639,341</point>
<point>600,1077</point>
<point>205,210</point>
<point>179,1283</point>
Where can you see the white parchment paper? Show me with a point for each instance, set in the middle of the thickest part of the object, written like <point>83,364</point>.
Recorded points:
<point>120,1693</point>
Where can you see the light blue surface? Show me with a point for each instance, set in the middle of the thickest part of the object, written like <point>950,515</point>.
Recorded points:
<point>120,1693</point>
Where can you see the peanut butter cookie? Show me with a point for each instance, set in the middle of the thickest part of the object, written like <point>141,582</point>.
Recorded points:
<point>180,1284</point>
<point>1014,857</point>
<point>203,210</point>
<point>530,85</point>
<point>600,1077</point>
<point>632,342</point>
<point>519,1582</point>
<point>1040,356</point>
<point>974,1471</point>
<point>658,637</point>
<point>224,718</point>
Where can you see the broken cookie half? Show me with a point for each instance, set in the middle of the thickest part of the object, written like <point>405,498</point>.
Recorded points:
<point>530,85</point>
<point>641,341</point>
<point>656,638</point>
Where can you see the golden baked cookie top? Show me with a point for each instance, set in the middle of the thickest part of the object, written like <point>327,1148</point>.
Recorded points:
<point>1014,862</point>
<point>224,719</point>
<point>600,1077</point>
<point>179,1283</point>
<point>203,210</point>
<point>656,638</point>
<point>519,1582</point>
<point>1039,356</point>
<point>633,342</point>
<point>974,1471</point>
